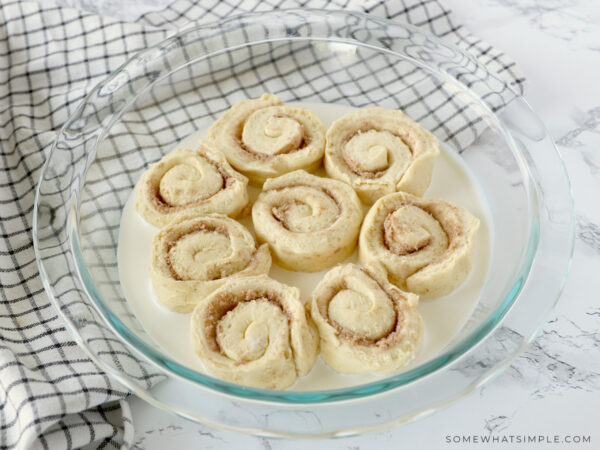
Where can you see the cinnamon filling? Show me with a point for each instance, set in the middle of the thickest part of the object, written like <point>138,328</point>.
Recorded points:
<point>403,239</point>
<point>263,156</point>
<point>391,339</point>
<point>279,211</point>
<point>418,240</point>
<point>227,302</point>
<point>196,227</point>
<point>353,165</point>
<point>161,205</point>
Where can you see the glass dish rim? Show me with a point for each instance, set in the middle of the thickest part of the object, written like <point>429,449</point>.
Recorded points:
<point>295,397</point>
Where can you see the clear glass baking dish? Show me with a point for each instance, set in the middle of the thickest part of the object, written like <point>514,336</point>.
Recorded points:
<point>168,91</point>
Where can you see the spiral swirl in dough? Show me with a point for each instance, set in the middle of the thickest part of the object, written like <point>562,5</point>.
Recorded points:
<point>199,182</point>
<point>378,151</point>
<point>310,222</point>
<point>263,138</point>
<point>365,323</point>
<point>425,246</point>
<point>255,331</point>
<point>194,255</point>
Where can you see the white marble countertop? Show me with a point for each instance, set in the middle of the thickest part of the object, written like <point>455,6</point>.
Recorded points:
<point>554,388</point>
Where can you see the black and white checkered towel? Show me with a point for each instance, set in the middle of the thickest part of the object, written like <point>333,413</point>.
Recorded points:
<point>51,394</point>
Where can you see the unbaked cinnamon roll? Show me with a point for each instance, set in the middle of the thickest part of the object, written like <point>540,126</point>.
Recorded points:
<point>310,222</point>
<point>255,331</point>
<point>425,246</point>
<point>198,181</point>
<point>365,323</point>
<point>264,138</point>
<point>378,151</point>
<point>194,255</point>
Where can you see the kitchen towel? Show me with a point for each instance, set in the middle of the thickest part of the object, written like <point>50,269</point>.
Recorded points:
<point>51,394</point>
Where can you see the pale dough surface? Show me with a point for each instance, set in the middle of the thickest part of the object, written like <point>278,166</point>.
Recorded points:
<point>378,151</point>
<point>365,323</point>
<point>254,331</point>
<point>199,181</point>
<point>264,138</point>
<point>425,246</point>
<point>195,255</point>
<point>309,222</point>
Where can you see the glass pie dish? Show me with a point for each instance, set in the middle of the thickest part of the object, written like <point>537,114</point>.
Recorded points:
<point>170,90</point>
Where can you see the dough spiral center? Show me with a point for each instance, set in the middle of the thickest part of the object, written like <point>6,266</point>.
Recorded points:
<point>373,152</point>
<point>270,134</point>
<point>190,181</point>
<point>379,151</point>
<point>365,322</point>
<point>425,246</point>
<point>193,254</point>
<point>255,331</point>
<point>363,313</point>
<point>410,229</point>
<point>311,210</point>
<point>245,333</point>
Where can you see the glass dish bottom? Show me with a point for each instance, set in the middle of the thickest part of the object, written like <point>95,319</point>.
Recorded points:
<point>443,317</point>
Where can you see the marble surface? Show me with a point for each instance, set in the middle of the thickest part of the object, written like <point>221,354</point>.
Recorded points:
<point>554,387</point>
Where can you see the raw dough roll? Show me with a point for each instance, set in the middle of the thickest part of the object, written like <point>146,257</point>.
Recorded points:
<point>264,138</point>
<point>255,331</point>
<point>193,256</point>
<point>425,246</point>
<point>365,323</point>
<point>200,182</point>
<point>378,151</point>
<point>310,222</point>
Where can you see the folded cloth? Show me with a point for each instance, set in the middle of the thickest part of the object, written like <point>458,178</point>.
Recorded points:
<point>51,394</point>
